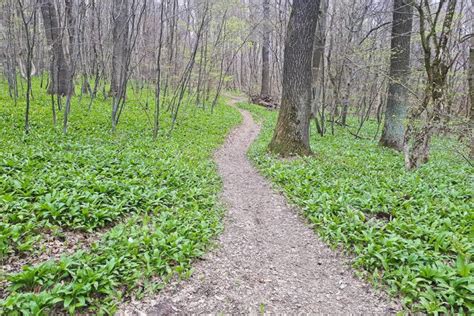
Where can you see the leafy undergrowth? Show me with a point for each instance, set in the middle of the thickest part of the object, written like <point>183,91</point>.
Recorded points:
<point>158,199</point>
<point>411,232</point>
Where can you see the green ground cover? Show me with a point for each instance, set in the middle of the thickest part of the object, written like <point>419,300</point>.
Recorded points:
<point>157,200</point>
<point>410,232</point>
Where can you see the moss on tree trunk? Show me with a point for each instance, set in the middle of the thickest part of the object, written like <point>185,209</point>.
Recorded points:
<point>291,135</point>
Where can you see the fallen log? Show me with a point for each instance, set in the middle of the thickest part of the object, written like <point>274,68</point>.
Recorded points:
<point>265,101</point>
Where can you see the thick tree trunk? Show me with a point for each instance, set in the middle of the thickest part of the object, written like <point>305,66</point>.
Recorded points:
<point>291,135</point>
<point>59,71</point>
<point>396,112</point>
<point>265,91</point>
<point>120,46</point>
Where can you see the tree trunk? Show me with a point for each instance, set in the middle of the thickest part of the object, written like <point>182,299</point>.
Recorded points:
<point>318,53</point>
<point>120,46</point>
<point>346,100</point>
<point>291,135</point>
<point>59,71</point>
<point>416,145</point>
<point>156,124</point>
<point>471,94</point>
<point>265,91</point>
<point>30,44</point>
<point>8,49</point>
<point>396,112</point>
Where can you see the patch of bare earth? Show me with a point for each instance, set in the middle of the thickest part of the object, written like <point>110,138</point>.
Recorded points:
<point>50,247</point>
<point>268,259</point>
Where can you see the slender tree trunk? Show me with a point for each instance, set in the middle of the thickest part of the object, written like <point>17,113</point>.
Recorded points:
<point>53,108</point>
<point>184,81</point>
<point>396,112</point>
<point>265,91</point>
<point>156,125</point>
<point>471,94</point>
<point>291,135</point>
<point>30,44</point>
<point>73,24</point>
<point>59,76</point>
<point>8,49</point>
<point>417,139</point>
<point>120,31</point>
<point>318,53</point>
<point>345,100</point>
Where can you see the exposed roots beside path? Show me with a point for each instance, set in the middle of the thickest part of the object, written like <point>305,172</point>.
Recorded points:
<point>268,259</point>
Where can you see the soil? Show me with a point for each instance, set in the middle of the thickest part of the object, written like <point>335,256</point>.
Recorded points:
<point>268,260</point>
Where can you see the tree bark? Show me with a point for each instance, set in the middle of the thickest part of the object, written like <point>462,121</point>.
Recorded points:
<point>396,112</point>
<point>265,89</point>
<point>291,135</point>
<point>120,23</point>
<point>59,71</point>
<point>30,45</point>
<point>156,122</point>
<point>471,94</point>
<point>318,53</point>
<point>417,139</point>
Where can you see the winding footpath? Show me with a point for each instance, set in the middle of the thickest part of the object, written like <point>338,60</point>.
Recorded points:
<point>267,260</point>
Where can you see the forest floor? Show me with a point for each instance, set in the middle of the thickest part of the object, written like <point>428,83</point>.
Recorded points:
<point>268,259</point>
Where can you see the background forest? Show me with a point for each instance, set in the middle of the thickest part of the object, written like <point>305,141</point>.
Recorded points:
<point>198,49</point>
<point>110,112</point>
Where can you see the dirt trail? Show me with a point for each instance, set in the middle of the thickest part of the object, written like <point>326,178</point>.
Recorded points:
<point>268,260</point>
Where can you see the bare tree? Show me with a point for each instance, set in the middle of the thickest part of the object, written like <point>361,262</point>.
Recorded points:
<point>29,26</point>
<point>318,66</point>
<point>156,123</point>
<point>8,48</point>
<point>186,76</point>
<point>126,23</point>
<point>437,62</point>
<point>74,25</point>
<point>59,70</point>
<point>265,90</point>
<point>395,115</point>
<point>120,22</point>
<point>471,92</point>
